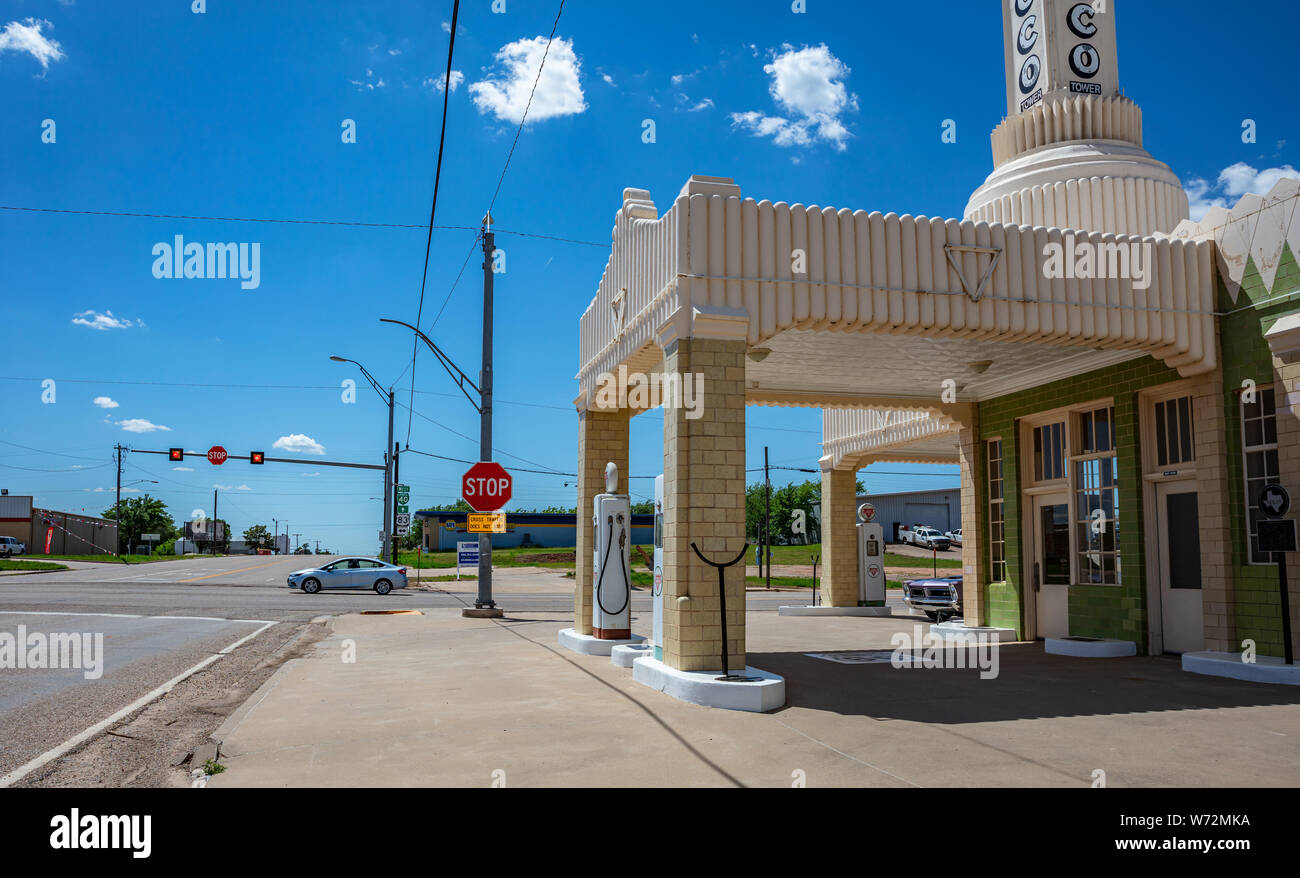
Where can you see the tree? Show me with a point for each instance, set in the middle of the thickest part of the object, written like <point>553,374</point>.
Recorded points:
<point>141,515</point>
<point>258,537</point>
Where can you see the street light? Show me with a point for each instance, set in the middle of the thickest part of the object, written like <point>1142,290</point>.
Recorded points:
<point>388,455</point>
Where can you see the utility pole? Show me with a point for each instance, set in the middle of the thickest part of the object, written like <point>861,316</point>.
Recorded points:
<point>389,463</point>
<point>275,540</point>
<point>484,600</point>
<point>767,527</point>
<point>295,541</point>
<point>392,521</point>
<point>117,504</point>
<point>212,542</point>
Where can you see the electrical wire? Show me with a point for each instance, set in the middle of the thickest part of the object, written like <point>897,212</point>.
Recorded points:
<point>433,211</point>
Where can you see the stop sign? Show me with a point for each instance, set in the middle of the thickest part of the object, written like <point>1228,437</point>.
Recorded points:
<point>486,486</point>
<point>217,455</point>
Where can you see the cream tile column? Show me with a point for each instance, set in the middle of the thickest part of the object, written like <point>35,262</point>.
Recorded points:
<point>704,489</point>
<point>839,535</point>
<point>974,551</point>
<point>1210,441</point>
<point>1284,339</point>
<point>602,438</point>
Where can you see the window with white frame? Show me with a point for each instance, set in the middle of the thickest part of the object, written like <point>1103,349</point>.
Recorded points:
<point>1259,460</point>
<point>1049,452</point>
<point>997,522</point>
<point>1173,427</point>
<point>1096,498</point>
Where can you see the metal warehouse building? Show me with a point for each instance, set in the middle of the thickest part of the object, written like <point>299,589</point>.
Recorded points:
<point>69,533</point>
<point>939,509</point>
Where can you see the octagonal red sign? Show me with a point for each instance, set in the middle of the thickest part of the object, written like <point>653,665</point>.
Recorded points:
<point>217,455</point>
<point>486,486</point>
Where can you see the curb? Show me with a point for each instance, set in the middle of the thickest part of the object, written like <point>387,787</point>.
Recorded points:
<point>59,569</point>
<point>230,723</point>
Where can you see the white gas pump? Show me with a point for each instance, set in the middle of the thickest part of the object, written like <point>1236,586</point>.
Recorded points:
<point>657,632</point>
<point>871,559</point>
<point>611,610</point>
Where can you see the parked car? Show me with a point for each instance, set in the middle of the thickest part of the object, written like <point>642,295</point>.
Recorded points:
<point>10,547</point>
<point>350,573</point>
<point>954,536</point>
<point>923,536</point>
<point>940,599</point>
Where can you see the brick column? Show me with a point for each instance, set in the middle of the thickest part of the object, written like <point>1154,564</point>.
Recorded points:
<point>974,550</point>
<point>1209,433</point>
<point>839,536</point>
<point>704,502</point>
<point>1286,365</point>
<point>602,437</point>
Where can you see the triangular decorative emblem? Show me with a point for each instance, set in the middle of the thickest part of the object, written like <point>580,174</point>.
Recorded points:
<point>975,291</point>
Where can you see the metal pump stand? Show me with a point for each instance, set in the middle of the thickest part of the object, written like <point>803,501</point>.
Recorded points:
<point>727,676</point>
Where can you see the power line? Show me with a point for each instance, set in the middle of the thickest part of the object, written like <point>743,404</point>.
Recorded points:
<point>527,107</point>
<point>433,211</point>
<point>300,222</point>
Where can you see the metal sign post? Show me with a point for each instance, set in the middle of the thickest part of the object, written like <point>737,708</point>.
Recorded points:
<point>1279,537</point>
<point>727,676</point>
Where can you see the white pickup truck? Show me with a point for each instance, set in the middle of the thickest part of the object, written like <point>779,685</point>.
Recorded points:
<point>925,537</point>
<point>10,547</point>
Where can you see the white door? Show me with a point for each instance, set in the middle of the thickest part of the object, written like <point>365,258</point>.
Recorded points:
<point>1050,573</point>
<point>1178,529</point>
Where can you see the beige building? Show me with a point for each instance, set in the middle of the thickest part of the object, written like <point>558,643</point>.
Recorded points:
<point>1116,382</point>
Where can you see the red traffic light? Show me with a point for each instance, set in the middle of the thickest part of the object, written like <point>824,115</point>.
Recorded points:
<point>176,454</point>
<point>256,457</point>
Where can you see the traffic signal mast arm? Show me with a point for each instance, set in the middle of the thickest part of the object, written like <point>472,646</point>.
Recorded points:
<point>375,466</point>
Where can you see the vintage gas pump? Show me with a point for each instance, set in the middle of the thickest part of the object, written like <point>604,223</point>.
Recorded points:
<point>871,559</point>
<point>611,611</point>
<point>657,632</point>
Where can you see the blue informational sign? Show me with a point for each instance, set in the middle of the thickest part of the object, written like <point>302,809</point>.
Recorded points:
<point>467,554</point>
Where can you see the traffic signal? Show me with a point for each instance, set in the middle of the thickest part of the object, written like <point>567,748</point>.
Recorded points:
<point>256,457</point>
<point>175,453</point>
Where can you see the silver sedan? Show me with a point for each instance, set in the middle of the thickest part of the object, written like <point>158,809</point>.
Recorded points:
<point>350,573</point>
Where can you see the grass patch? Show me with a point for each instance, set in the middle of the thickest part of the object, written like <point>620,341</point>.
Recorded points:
<point>9,564</point>
<point>134,559</point>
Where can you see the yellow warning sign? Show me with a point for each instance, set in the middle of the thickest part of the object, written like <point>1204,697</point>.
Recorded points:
<point>486,522</point>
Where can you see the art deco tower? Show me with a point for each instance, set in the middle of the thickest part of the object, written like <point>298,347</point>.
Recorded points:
<point>1069,153</point>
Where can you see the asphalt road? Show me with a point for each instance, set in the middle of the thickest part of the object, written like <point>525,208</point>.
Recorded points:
<point>161,620</point>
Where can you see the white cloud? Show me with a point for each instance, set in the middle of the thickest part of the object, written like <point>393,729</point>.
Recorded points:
<point>394,51</point>
<point>808,87</point>
<point>504,92</point>
<point>310,475</point>
<point>705,104</point>
<point>1233,182</point>
<point>105,402</point>
<point>298,443</point>
<point>183,469</point>
<point>437,82</point>
<point>243,488</point>
<point>140,425</point>
<point>609,80</point>
<point>446,27</point>
<point>370,83</point>
<point>26,36</point>
<point>223,487</point>
<point>104,321</point>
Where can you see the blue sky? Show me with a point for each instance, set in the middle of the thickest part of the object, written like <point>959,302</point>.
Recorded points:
<point>237,112</point>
